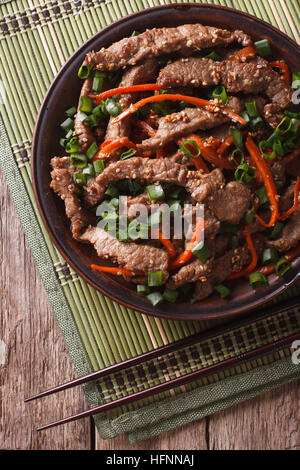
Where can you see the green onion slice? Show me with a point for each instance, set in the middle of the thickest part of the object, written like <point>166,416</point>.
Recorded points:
<point>202,252</point>
<point>79,179</point>
<point>71,111</point>
<point>142,289</point>
<point>128,154</point>
<point>263,48</point>
<point>270,255</point>
<point>155,279</point>
<point>155,192</point>
<point>238,153</point>
<point>170,295</point>
<point>237,136</point>
<point>84,71</point>
<point>265,144</point>
<point>67,125</point>
<point>85,104</point>
<point>92,151</point>
<point>282,266</point>
<point>251,109</point>
<point>155,298</point>
<point>220,94</point>
<point>190,148</point>
<point>258,280</point>
<point>222,290</point>
<point>98,166</point>
<point>112,191</point>
<point>79,160</point>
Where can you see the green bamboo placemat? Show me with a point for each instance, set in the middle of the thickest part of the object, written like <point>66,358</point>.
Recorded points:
<point>36,38</point>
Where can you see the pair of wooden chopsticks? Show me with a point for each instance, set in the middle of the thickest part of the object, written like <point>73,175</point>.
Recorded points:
<point>178,381</point>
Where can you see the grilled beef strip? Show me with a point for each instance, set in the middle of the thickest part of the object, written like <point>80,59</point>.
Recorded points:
<point>253,77</point>
<point>214,271</point>
<point>138,258</point>
<point>62,183</point>
<point>154,42</point>
<point>290,236</point>
<point>83,131</point>
<point>207,188</point>
<point>143,73</point>
<point>176,125</point>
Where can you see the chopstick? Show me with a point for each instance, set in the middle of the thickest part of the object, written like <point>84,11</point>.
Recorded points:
<point>163,350</point>
<point>178,381</point>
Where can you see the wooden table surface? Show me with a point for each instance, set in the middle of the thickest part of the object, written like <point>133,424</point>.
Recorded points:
<point>33,357</point>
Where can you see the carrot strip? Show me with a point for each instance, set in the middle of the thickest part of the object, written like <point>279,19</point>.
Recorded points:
<point>226,144</point>
<point>108,269</point>
<point>198,162</point>
<point>284,69</point>
<point>264,170</point>
<point>209,153</point>
<point>201,103</point>
<point>105,143</point>
<point>167,244</point>
<point>114,145</point>
<point>292,156</point>
<point>252,265</point>
<point>244,55</point>
<point>126,89</point>
<point>187,254</point>
<point>295,206</point>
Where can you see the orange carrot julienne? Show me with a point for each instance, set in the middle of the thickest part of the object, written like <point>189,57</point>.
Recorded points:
<point>198,161</point>
<point>295,206</point>
<point>267,177</point>
<point>284,69</point>
<point>114,145</point>
<point>127,89</point>
<point>112,270</point>
<point>199,102</point>
<point>225,145</point>
<point>253,264</point>
<point>292,156</point>
<point>167,244</point>
<point>187,254</point>
<point>245,54</point>
<point>210,154</point>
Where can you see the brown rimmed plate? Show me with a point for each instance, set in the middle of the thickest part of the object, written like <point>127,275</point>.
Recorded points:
<point>64,93</point>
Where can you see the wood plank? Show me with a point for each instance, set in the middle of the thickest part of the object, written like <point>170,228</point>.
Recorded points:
<point>32,350</point>
<point>268,422</point>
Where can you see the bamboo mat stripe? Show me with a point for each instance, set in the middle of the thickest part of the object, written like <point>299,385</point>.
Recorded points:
<point>36,38</point>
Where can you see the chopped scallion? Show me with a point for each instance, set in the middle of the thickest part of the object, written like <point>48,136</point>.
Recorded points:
<point>170,295</point>
<point>202,252</point>
<point>79,160</point>
<point>282,266</point>
<point>92,151</point>
<point>222,290</point>
<point>270,255</point>
<point>155,192</point>
<point>263,48</point>
<point>98,166</point>
<point>155,298</point>
<point>155,279</point>
<point>190,148</point>
<point>220,94</point>
<point>258,280</point>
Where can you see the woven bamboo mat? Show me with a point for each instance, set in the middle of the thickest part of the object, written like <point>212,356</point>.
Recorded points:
<point>36,38</point>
